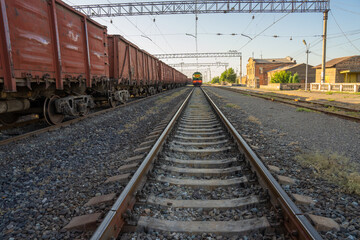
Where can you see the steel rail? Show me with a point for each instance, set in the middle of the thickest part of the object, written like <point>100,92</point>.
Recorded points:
<point>19,124</point>
<point>67,123</point>
<point>295,99</point>
<point>295,221</point>
<point>111,226</point>
<point>295,103</point>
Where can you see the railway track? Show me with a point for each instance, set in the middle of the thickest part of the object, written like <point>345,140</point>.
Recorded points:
<point>41,127</point>
<point>328,108</point>
<point>200,179</point>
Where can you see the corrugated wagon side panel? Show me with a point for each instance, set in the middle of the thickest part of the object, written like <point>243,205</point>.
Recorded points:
<point>6,61</point>
<point>123,54</point>
<point>31,40</point>
<point>133,65</point>
<point>161,72</point>
<point>146,67</point>
<point>113,58</point>
<point>2,50</point>
<point>152,70</point>
<point>72,41</point>
<point>98,50</point>
<point>140,65</point>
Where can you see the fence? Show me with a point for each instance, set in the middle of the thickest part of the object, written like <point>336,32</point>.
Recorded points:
<point>339,87</point>
<point>285,86</point>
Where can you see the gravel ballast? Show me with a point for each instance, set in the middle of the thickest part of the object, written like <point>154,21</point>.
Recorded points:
<point>47,179</point>
<point>278,133</point>
<point>173,200</point>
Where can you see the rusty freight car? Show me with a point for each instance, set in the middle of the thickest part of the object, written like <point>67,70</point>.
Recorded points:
<point>132,68</point>
<point>50,55</point>
<point>55,61</point>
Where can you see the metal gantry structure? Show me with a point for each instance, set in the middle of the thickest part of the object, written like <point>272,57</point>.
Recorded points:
<point>212,6</point>
<point>215,64</point>
<point>199,55</point>
<point>231,53</point>
<point>203,6</point>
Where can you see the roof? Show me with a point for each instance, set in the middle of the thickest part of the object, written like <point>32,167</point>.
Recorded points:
<point>288,67</point>
<point>335,61</point>
<point>274,60</point>
<point>351,71</point>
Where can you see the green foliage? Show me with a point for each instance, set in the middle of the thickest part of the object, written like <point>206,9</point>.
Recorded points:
<point>228,75</point>
<point>281,77</point>
<point>304,110</point>
<point>231,76</point>
<point>285,77</point>
<point>295,78</point>
<point>223,77</point>
<point>215,80</point>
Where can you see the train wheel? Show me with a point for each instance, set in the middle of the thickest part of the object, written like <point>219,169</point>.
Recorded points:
<point>126,97</point>
<point>49,111</point>
<point>8,118</point>
<point>112,102</point>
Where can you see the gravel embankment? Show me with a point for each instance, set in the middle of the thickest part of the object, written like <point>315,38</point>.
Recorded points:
<point>46,180</point>
<point>278,133</point>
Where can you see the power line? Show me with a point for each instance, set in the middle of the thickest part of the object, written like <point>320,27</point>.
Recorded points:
<point>163,36</point>
<point>346,10</point>
<point>263,31</point>
<point>343,32</point>
<point>154,21</point>
<point>333,35</point>
<point>145,35</point>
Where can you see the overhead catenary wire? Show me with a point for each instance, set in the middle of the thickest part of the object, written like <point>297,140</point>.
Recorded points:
<point>161,34</point>
<point>141,31</point>
<point>343,32</point>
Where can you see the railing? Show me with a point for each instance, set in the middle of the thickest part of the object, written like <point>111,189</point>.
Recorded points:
<point>285,86</point>
<point>340,87</point>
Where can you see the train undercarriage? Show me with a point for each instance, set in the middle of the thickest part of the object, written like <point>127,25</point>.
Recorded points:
<point>75,100</point>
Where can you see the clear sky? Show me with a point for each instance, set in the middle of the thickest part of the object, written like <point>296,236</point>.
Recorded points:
<point>168,33</point>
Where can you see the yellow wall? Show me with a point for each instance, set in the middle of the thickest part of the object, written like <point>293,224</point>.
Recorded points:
<point>331,76</point>
<point>351,77</point>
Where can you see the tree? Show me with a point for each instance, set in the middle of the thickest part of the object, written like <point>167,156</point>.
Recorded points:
<point>285,77</point>
<point>281,77</point>
<point>223,77</point>
<point>231,75</point>
<point>215,80</point>
<point>228,75</point>
<point>295,78</point>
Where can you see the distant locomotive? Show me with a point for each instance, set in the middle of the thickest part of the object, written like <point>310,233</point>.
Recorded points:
<point>197,79</point>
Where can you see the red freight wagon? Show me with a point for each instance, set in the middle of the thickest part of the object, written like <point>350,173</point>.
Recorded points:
<point>123,61</point>
<point>49,51</point>
<point>54,61</point>
<point>132,67</point>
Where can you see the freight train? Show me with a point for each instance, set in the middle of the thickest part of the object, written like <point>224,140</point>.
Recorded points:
<point>197,79</point>
<point>55,61</point>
